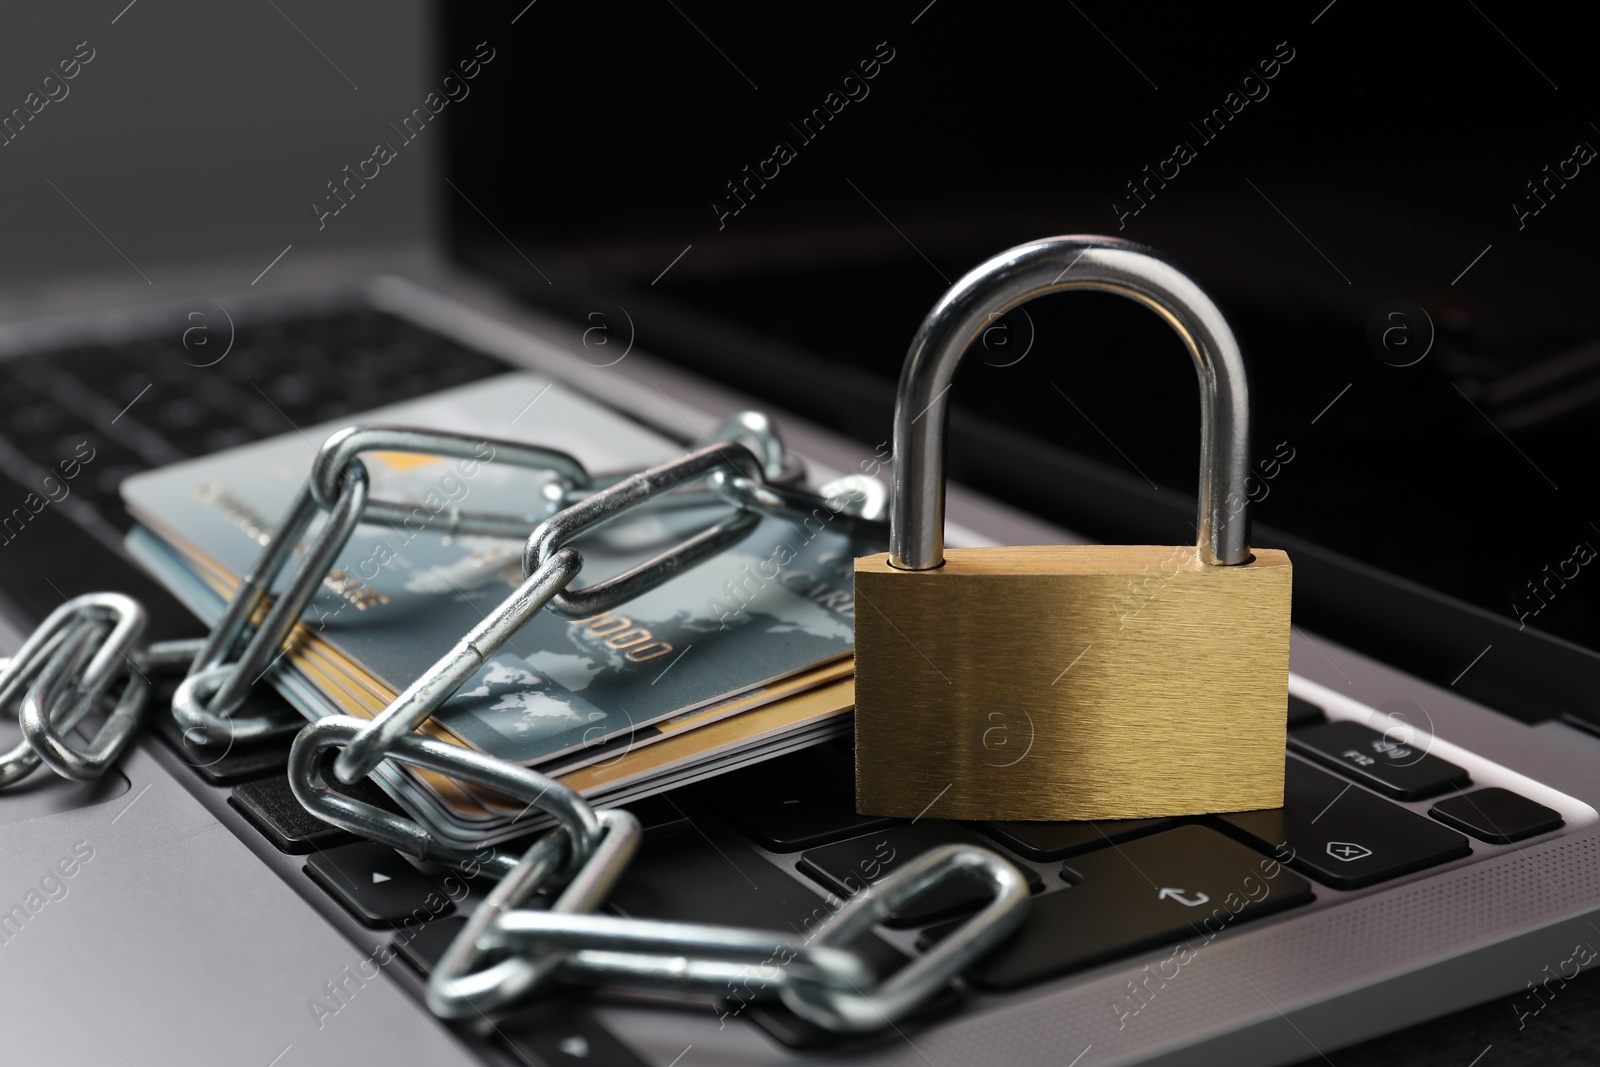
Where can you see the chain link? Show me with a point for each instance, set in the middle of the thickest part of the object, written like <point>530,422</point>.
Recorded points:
<point>216,685</point>
<point>344,448</point>
<point>63,669</point>
<point>859,1010</point>
<point>314,792</point>
<point>819,977</point>
<point>461,985</point>
<point>612,502</point>
<point>549,568</point>
<point>58,686</point>
<point>539,921</point>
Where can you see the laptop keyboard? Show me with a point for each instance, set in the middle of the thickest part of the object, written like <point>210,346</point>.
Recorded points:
<point>777,845</point>
<point>144,404</point>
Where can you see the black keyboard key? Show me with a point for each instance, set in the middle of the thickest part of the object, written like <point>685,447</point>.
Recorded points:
<point>99,366</point>
<point>222,767</point>
<point>706,874</point>
<point>1182,885</point>
<point>271,807</point>
<point>292,390</point>
<point>224,437</point>
<point>1496,815</point>
<point>556,1033</point>
<point>106,485</point>
<point>1304,713</point>
<point>849,866</point>
<point>1402,771</point>
<point>380,887</point>
<point>659,816</point>
<point>422,946</point>
<point>36,418</point>
<point>222,763</point>
<point>791,803</point>
<point>1058,840</point>
<point>1342,835</point>
<point>77,458</point>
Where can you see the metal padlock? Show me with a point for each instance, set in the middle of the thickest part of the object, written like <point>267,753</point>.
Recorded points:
<point>1070,682</point>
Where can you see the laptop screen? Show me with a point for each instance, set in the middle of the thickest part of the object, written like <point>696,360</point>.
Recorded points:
<point>1391,211</point>
<point>146,155</point>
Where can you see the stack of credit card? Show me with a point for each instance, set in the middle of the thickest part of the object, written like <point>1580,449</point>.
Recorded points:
<point>742,657</point>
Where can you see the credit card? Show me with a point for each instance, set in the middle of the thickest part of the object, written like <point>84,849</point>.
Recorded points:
<point>776,604</point>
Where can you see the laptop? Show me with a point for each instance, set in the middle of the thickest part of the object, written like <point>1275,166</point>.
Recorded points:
<point>208,244</point>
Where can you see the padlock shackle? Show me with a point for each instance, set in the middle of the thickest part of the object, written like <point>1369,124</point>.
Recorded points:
<point>1013,278</point>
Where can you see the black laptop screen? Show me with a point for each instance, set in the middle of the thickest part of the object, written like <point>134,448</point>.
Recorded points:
<point>1392,208</point>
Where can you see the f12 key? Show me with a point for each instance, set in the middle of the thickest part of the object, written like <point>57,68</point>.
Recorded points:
<point>1402,770</point>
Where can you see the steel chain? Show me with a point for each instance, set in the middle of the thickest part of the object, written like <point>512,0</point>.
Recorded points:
<point>539,922</point>
<point>63,669</point>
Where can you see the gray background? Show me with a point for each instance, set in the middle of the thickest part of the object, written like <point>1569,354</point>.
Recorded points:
<point>201,133</point>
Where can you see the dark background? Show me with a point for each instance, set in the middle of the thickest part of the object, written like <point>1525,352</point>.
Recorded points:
<point>1383,160</point>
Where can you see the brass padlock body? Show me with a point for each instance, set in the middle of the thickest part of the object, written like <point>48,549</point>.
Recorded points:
<point>1071,682</point>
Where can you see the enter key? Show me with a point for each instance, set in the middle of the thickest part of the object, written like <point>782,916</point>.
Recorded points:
<point>1183,885</point>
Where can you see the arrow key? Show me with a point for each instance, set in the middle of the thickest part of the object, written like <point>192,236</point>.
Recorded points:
<point>381,887</point>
